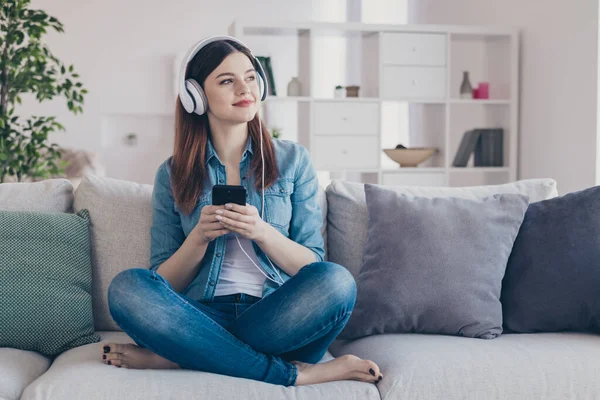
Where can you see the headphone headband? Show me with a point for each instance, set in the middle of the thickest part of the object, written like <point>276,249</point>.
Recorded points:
<point>192,103</point>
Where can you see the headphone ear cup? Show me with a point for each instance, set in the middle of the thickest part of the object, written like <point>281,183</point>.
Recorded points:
<point>261,85</point>
<point>197,95</point>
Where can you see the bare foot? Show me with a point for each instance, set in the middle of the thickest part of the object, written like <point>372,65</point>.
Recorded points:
<point>347,367</point>
<point>135,357</point>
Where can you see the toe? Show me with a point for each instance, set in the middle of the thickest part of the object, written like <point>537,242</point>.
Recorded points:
<point>117,348</point>
<point>111,348</point>
<point>371,366</point>
<point>117,362</point>
<point>367,377</point>
<point>111,357</point>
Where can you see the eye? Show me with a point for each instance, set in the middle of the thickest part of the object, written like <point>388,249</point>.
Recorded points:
<point>252,77</point>
<point>225,81</point>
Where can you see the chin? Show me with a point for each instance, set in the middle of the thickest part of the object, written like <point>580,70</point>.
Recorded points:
<point>243,115</point>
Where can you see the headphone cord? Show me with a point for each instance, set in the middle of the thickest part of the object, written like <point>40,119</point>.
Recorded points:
<point>262,209</point>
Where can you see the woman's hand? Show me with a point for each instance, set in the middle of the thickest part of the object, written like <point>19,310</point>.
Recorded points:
<point>208,227</point>
<point>244,220</point>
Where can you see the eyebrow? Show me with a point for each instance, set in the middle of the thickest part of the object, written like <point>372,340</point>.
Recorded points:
<point>229,73</point>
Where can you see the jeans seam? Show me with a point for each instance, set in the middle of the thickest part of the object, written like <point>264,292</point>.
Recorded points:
<point>293,375</point>
<point>174,295</point>
<point>310,339</point>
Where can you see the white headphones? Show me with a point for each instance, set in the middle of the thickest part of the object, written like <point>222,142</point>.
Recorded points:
<point>192,96</point>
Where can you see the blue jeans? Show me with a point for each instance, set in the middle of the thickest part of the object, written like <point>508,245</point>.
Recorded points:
<point>237,335</point>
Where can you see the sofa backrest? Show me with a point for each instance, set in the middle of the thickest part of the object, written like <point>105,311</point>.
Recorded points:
<point>52,195</point>
<point>121,217</point>
<point>347,216</point>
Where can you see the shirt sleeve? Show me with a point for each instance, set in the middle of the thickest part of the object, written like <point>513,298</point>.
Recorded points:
<point>166,232</point>
<point>307,220</point>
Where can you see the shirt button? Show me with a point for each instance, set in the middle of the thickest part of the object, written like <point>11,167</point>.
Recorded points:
<point>211,283</point>
<point>218,254</point>
<point>243,177</point>
<point>220,180</point>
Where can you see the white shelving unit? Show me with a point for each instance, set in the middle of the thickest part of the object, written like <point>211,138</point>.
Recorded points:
<point>418,65</point>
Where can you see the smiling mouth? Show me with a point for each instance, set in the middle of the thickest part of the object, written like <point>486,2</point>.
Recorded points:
<point>244,103</point>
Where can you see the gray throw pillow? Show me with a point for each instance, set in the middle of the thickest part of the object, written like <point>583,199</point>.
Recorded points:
<point>434,265</point>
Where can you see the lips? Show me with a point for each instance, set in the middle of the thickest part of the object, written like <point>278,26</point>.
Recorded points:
<point>243,103</point>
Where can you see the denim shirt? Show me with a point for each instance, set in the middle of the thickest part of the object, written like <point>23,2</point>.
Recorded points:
<point>291,207</point>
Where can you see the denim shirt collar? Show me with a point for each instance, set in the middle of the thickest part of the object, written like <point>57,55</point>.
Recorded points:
<point>210,150</point>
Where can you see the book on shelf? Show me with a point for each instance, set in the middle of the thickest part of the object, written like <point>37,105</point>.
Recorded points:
<point>489,151</point>
<point>466,147</point>
<point>486,145</point>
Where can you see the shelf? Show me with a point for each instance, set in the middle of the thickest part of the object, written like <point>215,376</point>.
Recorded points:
<point>397,100</point>
<point>481,101</point>
<point>479,169</point>
<point>416,101</point>
<point>405,170</point>
<point>414,170</point>
<point>287,98</point>
<point>322,99</point>
<point>409,78</point>
<point>270,27</point>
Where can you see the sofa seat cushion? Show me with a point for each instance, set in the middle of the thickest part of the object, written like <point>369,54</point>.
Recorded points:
<point>540,366</point>
<point>80,374</point>
<point>18,368</point>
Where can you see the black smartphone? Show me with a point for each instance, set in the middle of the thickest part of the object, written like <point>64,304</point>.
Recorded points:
<point>223,194</point>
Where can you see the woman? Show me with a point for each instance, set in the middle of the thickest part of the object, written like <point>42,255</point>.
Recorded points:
<point>205,305</point>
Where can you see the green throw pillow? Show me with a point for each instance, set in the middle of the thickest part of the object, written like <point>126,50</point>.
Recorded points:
<point>45,281</point>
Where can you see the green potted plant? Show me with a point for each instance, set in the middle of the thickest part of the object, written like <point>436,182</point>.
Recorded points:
<point>276,132</point>
<point>28,66</point>
<point>339,92</point>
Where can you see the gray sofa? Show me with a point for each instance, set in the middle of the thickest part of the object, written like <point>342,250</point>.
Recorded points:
<point>416,366</point>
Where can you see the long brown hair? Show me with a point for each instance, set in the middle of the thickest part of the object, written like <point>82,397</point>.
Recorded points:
<point>188,171</point>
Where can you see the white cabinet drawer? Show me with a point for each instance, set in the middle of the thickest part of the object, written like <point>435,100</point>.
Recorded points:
<point>400,82</point>
<point>413,49</point>
<point>346,118</point>
<point>333,152</point>
<point>414,178</point>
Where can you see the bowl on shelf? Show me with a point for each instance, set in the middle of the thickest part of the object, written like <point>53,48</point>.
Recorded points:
<point>410,157</point>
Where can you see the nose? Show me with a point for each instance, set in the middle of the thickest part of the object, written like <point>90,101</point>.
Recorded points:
<point>244,87</point>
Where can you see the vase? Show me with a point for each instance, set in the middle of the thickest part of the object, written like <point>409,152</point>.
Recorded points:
<point>294,87</point>
<point>466,90</point>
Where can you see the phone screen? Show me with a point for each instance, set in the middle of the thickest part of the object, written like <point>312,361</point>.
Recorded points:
<point>223,194</point>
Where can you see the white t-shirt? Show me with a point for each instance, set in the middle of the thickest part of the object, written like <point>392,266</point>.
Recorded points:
<point>238,274</point>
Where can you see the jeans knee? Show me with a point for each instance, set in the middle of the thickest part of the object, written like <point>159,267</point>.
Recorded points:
<point>123,283</point>
<point>337,282</point>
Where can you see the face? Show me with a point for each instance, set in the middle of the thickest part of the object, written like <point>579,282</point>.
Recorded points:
<point>232,90</point>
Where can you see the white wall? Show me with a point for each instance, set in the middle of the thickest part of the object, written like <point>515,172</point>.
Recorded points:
<point>559,79</point>
<point>124,52</point>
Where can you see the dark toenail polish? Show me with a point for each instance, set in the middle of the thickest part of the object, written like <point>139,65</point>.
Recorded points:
<point>104,356</point>
<point>118,366</point>
<point>380,377</point>
<point>106,349</point>
<point>371,371</point>
<point>109,362</point>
